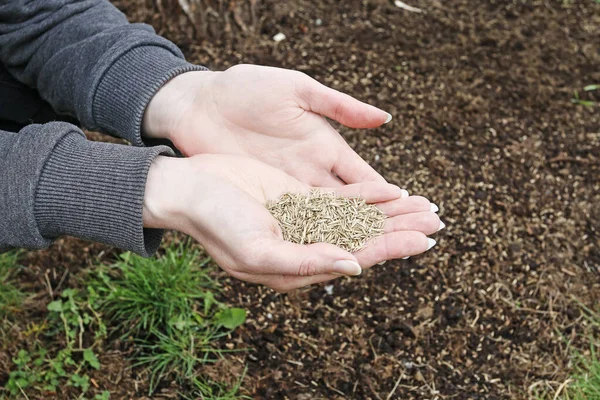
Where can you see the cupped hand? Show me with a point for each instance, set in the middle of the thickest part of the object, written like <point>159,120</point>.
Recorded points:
<point>271,114</point>
<point>219,200</point>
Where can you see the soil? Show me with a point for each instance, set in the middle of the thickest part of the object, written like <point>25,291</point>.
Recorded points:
<point>485,127</point>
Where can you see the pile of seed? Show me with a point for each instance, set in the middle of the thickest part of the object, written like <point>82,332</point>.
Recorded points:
<point>326,218</point>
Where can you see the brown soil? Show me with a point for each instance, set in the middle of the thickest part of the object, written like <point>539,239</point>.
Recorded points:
<point>484,126</point>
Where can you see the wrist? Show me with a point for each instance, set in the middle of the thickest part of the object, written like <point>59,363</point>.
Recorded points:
<point>165,194</point>
<point>169,106</point>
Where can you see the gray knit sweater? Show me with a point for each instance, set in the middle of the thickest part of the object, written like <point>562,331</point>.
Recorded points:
<point>86,60</point>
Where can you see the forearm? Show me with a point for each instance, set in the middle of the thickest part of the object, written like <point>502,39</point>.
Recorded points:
<point>54,182</point>
<point>87,60</point>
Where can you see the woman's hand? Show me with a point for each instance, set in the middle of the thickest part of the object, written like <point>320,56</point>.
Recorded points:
<point>219,200</point>
<point>271,114</point>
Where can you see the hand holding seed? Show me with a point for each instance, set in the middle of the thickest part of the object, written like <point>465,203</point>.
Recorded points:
<point>271,114</point>
<point>221,201</point>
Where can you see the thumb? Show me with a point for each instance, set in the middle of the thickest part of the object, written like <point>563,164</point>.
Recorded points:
<point>339,106</point>
<point>286,258</point>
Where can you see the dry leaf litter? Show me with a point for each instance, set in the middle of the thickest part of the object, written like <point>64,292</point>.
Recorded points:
<point>321,217</point>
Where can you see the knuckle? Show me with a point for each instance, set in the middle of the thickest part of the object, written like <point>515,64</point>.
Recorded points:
<point>422,202</point>
<point>388,247</point>
<point>414,243</point>
<point>339,111</point>
<point>308,267</point>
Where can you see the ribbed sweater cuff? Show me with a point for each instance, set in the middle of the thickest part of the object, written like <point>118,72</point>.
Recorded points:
<point>128,86</point>
<point>96,191</point>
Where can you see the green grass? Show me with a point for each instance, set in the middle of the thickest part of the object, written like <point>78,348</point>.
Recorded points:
<point>586,377</point>
<point>165,308</point>
<point>215,391</point>
<point>586,380</point>
<point>584,383</point>
<point>11,297</point>
<point>589,88</point>
<point>168,306</point>
<point>41,370</point>
<point>144,295</point>
<point>181,353</point>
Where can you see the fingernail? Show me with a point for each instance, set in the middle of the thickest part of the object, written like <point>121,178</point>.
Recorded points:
<point>442,225</point>
<point>347,267</point>
<point>434,208</point>
<point>406,258</point>
<point>404,193</point>
<point>388,119</point>
<point>430,243</point>
<point>381,263</point>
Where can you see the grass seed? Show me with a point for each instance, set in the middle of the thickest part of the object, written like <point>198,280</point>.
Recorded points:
<point>321,217</point>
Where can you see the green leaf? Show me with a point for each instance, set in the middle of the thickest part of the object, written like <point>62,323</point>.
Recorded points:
<point>69,293</point>
<point>585,103</point>
<point>90,357</point>
<point>104,396</point>
<point>589,88</point>
<point>209,301</point>
<point>38,362</point>
<point>198,318</point>
<point>60,370</point>
<point>56,306</point>
<point>22,383</point>
<point>81,381</point>
<point>22,359</point>
<point>179,322</point>
<point>231,318</point>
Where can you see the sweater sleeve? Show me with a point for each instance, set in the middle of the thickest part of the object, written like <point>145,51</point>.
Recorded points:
<point>54,182</point>
<point>88,61</point>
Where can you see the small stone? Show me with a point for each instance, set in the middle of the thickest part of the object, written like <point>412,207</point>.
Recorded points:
<point>280,37</point>
<point>419,376</point>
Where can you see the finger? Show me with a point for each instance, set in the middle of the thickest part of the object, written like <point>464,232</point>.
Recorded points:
<point>315,173</point>
<point>338,106</point>
<point>425,222</point>
<point>353,169</point>
<point>372,192</point>
<point>279,257</point>
<point>286,284</point>
<point>327,180</point>
<point>406,205</point>
<point>393,245</point>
